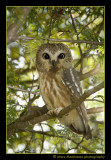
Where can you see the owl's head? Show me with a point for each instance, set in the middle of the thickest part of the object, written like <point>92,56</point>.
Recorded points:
<point>52,57</point>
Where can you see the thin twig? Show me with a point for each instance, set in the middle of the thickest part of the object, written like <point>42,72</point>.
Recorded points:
<point>53,135</point>
<point>65,40</point>
<point>50,25</point>
<point>75,41</point>
<point>84,56</point>
<point>34,97</point>
<point>74,27</point>
<point>12,31</point>
<point>23,90</point>
<point>87,25</point>
<point>95,70</point>
<point>94,100</point>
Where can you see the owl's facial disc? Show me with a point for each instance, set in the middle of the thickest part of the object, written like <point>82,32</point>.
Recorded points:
<point>55,61</point>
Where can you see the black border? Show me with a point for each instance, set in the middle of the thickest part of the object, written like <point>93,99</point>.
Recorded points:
<point>107,5</point>
<point>55,3</point>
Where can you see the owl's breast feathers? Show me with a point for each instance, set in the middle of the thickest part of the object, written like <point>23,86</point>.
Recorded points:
<point>60,89</point>
<point>53,91</point>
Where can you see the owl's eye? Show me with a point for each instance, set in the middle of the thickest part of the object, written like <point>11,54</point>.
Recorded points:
<point>45,56</point>
<point>61,56</point>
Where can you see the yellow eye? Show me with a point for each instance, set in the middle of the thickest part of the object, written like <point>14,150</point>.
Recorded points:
<point>46,56</point>
<point>61,56</point>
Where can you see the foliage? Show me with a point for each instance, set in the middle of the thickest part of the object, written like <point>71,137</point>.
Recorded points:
<point>41,24</point>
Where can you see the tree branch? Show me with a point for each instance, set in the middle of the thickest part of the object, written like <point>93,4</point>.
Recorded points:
<point>63,40</point>
<point>50,24</point>
<point>96,70</point>
<point>101,27</point>
<point>12,34</point>
<point>95,110</point>
<point>83,56</point>
<point>94,100</point>
<point>75,41</point>
<point>12,128</point>
<point>19,89</point>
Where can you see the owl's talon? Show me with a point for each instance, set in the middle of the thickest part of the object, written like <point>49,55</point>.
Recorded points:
<point>54,112</point>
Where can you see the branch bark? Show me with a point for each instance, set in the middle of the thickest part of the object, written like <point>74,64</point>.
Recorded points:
<point>23,90</point>
<point>12,32</point>
<point>94,100</point>
<point>63,40</point>
<point>95,71</point>
<point>95,110</point>
<point>14,127</point>
<point>76,41</point>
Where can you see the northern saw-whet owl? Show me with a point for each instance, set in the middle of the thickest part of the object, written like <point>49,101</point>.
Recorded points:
<point>60,85</point>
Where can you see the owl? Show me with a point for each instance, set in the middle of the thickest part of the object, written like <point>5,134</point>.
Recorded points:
<point>60,85</point>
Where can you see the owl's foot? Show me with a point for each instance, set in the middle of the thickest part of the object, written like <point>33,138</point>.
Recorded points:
<point>54,112</point>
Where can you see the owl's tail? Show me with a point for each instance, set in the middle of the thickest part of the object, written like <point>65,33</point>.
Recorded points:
<point>87,134</point>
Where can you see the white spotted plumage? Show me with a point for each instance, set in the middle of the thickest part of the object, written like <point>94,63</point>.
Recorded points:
<point>73,79</point>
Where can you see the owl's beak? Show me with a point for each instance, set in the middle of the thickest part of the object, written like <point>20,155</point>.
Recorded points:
<point>53,62</point>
